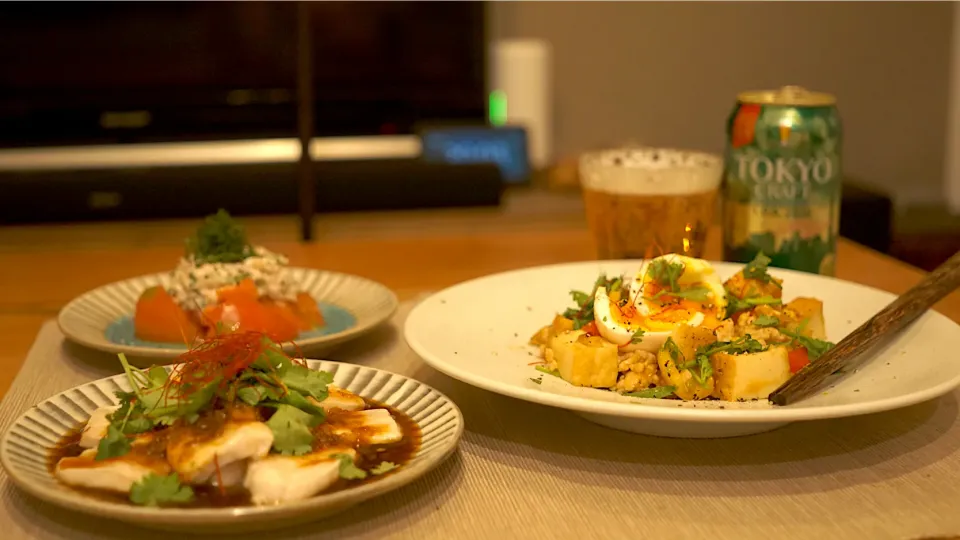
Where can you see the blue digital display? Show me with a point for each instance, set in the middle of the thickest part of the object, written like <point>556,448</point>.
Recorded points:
<point>504,146</point>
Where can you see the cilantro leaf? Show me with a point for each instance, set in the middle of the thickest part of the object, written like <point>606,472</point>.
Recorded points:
<point>291,374</point>
<point>672,349</point>
<point>765,321</point>
<point>252,395</point>
<point>296,399</point>
<point>349,470</point>
<point>580,297</point>
<point>757,269</point>
<point>543,369</point>
<point>308,381</point>
<point>659,392</point>
<point>582,314</point>
<point>157,376</point>
<point>291,430</point>
<point>746,344</point>
<point>538,380</point>
<point>384,468</point>
<point>704,368</point>
<point>735,304</point>
<point>272,358</point>
<point>163,403</point>
<point>815,347</point>
<point>156,490</point>
<point>113,444</point>
<point>665,273</point>
<point>130,418</point>
<point>165,406</point>
<point>637,336</point>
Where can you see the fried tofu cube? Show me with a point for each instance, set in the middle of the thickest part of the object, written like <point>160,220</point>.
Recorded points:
<point>809,313</point>
<point>679,350</point>
<point>749,376</point>
<point>585,361</point>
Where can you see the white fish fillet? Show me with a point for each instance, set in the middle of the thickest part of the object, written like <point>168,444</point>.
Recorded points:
<point>96,427</point>
<point>196,459</point>
<point>114,474</point>
<point>276,479</point>
<point>385,428</point>
<point>338,398</point>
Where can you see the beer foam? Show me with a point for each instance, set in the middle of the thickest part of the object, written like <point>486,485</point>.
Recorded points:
<point>650,171</point>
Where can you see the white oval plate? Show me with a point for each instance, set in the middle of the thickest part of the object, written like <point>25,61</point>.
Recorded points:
<point>478,331</point>
<point>26,445</point>
<point>87,318</point>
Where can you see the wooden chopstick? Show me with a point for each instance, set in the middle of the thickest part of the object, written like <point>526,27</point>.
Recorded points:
<point>891,319</point>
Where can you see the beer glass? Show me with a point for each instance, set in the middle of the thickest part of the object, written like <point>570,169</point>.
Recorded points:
<point>642,202</point>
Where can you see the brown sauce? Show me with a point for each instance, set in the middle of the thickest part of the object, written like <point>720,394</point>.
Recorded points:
<point>368,457</point>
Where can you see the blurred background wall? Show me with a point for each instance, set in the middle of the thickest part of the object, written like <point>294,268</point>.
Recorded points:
<point>668,73</point>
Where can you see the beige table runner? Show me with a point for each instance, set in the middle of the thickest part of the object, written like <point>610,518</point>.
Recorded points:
<point>531,472</point>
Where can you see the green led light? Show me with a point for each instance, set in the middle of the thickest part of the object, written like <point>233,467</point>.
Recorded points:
<point>498,108</point>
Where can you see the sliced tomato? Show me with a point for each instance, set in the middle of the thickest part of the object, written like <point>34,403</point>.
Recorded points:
<point>798,359</point>
<point>591,329</point>
<point>157,317</point>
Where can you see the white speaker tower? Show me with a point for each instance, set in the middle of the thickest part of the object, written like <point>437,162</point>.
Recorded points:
<point>520,84</point>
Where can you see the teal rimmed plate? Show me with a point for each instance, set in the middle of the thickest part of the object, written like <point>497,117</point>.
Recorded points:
<point>102,318</point>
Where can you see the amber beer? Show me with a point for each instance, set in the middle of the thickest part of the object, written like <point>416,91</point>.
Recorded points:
<point>647,201</point>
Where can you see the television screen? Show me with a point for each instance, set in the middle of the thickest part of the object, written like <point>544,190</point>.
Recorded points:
<point>88,73</point>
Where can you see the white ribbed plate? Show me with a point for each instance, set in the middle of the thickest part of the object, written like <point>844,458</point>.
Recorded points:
<point>86,318</point>
<point>28,442</point>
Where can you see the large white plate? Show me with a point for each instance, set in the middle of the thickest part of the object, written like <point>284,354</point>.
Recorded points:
<point>87,318</point>
<point>477,332</point>
<point>31,438</point>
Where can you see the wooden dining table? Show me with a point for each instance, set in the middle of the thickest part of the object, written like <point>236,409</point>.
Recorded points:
<point>809,478</point>
<point>44,267</point>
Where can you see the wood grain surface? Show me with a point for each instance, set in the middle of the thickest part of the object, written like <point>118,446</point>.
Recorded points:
<point>44,267</point>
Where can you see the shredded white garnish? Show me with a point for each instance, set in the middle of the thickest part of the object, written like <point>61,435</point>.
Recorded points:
<point>195,286</point>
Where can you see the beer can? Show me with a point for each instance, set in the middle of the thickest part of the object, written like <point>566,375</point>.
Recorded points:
<point>782,179</point>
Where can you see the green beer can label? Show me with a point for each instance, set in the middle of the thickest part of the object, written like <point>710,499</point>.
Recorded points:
<point>782,185</point>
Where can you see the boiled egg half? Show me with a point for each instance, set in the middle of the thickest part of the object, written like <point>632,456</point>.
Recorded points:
<point>678,290</point>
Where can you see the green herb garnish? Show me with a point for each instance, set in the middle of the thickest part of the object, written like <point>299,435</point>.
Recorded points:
<point>765,321</point>
<point>113,444</point>
<point>348,469</point>
<point>701,361</point>
<point>815,347</point>
<point>156,490</point>
<point>735,304</point>
<point>659,392</point>
<point>666,274</point>
<point>672,349</point>
<point>383,468</point>
<point>582,314</point>
<point>553,372</point>
<point>272,380</point>
<point>637,336</point>
<point>292,434</point>
<point>696,294</point>
<point>219,239</point>
<point>757,269</point>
